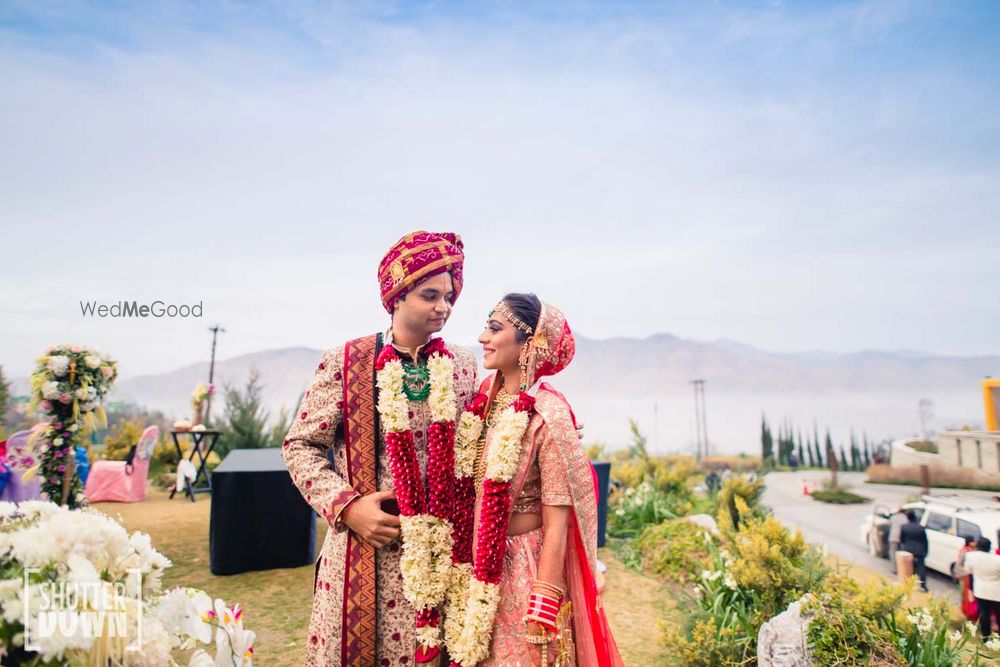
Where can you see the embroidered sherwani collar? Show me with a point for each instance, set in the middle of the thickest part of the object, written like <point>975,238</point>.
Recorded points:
<point>412,354</point>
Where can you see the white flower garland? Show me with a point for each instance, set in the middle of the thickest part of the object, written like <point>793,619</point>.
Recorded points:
<point>469,621</point>
<point>441,400</point>
<point>470,427</point>
<point>425,562</point>
<point>393,408</point>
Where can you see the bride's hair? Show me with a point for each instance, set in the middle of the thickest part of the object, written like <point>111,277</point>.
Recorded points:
<point>527,308</point>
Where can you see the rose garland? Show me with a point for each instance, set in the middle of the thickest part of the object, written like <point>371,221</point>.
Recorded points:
<point>424,514</point>
<point>475,588</point>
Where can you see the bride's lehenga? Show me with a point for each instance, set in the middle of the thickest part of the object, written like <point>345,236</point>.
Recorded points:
<point>553,470</point>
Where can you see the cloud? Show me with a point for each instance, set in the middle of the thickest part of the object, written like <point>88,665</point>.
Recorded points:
<point>759,174</point>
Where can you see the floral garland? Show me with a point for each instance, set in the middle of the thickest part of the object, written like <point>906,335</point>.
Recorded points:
<point>68,383</point>
<point>474,592</point>
<point>425,514</point>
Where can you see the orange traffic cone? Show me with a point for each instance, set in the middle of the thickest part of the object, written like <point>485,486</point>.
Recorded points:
<point>805,488</point>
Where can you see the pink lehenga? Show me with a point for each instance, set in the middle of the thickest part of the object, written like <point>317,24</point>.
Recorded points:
<point>553,470</point>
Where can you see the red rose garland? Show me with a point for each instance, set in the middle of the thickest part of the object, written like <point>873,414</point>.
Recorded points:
<point>424,512</point>
<point>474,594</point>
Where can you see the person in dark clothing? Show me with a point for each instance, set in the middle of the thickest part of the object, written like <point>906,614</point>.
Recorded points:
<point>913,538</point>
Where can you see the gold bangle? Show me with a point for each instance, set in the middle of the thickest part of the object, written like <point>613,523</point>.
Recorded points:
<point>552,588</point>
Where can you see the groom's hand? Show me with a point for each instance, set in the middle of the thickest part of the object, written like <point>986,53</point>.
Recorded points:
<point>366,518</point>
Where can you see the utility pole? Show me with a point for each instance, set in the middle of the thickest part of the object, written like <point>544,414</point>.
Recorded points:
<point>701,424</point>
<point>211,374</point>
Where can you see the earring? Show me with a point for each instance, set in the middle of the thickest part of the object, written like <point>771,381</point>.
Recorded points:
<point>522,362</point>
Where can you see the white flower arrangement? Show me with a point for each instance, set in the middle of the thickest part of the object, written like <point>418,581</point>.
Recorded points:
<point>393,408</point>
<point>455,604</point>
<point>426,560</point>
<point>470,427</point>
<point>473,646</point>
<point>88,550</point>
<point>441,400</point>
<point>505,446</point>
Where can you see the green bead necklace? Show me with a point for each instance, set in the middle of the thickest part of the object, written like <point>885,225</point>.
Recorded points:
<point>416,381</point>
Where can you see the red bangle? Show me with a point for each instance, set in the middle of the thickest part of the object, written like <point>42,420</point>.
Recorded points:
<point>543,609</point>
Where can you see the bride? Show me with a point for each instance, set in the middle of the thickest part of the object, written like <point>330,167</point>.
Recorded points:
<point>525,591</point>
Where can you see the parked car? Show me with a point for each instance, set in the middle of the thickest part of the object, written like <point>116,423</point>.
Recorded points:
<point>948,519</point>
<point>875,528</point>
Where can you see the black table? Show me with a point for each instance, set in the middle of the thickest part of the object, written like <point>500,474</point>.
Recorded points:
<point>603,470</point>
<point>197,437</point>
<point>259,520</point>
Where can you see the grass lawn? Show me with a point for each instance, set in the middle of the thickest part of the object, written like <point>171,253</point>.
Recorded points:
<point>277,602</point>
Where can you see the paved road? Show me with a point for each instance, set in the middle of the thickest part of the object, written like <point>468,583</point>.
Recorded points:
<point>838,526</point>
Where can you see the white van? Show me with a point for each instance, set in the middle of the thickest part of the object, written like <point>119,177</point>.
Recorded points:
<point>947,519</point>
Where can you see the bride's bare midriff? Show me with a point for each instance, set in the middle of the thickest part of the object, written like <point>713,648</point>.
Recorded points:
<point>523,523</point>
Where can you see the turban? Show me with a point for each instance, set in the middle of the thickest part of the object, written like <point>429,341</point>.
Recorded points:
<point>416,257</point>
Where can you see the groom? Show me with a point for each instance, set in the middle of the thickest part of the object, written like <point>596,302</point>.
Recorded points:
<point>359,616</point>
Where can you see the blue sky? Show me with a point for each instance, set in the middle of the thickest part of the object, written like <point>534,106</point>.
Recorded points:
<point>791,175</point>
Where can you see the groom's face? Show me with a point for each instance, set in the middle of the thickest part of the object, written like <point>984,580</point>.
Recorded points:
<point>426,308</point>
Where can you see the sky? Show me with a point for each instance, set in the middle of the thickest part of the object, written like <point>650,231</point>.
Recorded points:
<point>794,176</point>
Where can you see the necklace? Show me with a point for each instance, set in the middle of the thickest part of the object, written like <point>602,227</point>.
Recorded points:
<point>501,402</point>
<point>416,380</point>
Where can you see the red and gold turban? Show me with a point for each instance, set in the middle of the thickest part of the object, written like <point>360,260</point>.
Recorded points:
<point>416,257</point>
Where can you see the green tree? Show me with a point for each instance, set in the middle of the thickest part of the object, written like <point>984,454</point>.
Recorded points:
<point>802,453</point>
<point>820,459</point>
<point>766,444</point>
<point>4,397</point>
<point>244,421</point>
<point>829,451</point>
<point>281,425</point>
<point>855,453</point>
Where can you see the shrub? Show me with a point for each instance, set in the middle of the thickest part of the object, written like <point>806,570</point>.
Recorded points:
<point>758,569</point>
<point>741,463</point>
<point>845,627</point>
<point>839,496</point>
<point>634,509</point>
<point>745,489</point>
<point>120,441</point>
<point>941,476</point>
<point>677,549</point>
<point>165,453</point>
<point>925,446</point>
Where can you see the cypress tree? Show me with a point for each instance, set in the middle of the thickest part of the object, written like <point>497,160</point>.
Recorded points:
<point>766,444</point>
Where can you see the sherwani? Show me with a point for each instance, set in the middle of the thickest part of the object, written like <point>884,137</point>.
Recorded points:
<point>317,428</point>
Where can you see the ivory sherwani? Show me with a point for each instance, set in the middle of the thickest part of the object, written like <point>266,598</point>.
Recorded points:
<point>359,615</point>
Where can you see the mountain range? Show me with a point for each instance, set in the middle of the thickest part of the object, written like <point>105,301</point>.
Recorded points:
<point>648,378</point>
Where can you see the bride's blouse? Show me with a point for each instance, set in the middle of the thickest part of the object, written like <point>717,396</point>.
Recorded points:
<point>545,482</point>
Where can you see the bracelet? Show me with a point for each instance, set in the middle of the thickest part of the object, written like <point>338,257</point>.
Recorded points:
<point>546,586</point>
<point>543,610</point>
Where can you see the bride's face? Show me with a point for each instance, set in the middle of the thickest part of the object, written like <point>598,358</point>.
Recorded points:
<point>501,349</point>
